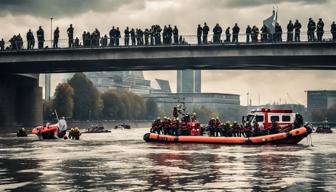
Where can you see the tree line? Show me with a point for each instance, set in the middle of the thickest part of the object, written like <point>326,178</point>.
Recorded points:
<point>79,99</point>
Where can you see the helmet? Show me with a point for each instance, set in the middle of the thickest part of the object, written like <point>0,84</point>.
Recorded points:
<point>194,114</point>
<point>235,122</point>
<point>177,119</point>
<point>217,117</point>
<point>212,118</point>
<point>165,117</point>
<point>158,118</point>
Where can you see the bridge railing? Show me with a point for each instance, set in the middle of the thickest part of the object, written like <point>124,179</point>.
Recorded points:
<point>182,40</point>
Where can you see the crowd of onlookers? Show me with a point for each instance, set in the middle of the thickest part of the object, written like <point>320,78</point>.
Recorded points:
<point>168,35</point>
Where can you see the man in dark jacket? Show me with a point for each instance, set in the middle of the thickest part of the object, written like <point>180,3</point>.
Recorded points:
<point>297,27</point>
<point>290,29</point>
<point>205,33</point>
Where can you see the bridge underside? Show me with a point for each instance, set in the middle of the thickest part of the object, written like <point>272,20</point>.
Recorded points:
<point>285,56</point>
<point>20,101</point>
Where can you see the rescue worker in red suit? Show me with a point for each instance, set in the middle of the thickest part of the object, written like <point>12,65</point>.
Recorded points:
<point>156,126</point>
<point>175,112</point>
<point>248,129</point>
<point>175,126</point>
<point>211,127</point>
<point>236,129</point>
<point>165,125</point>
<point>256,129</point>
<point>218,127</point>
<point>274,128</point>
<point>241,130</point>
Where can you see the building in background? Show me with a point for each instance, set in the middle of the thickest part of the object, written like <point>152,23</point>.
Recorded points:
<point>319,102</point>
<point>132,81</point>
<point>227,106</point>
<point>189,81</point>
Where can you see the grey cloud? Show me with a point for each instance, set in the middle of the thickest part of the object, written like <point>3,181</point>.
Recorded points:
<point>250,3</point>
<point>60,8</point>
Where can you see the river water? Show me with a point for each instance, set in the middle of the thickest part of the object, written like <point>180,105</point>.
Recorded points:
<point>122,161</point>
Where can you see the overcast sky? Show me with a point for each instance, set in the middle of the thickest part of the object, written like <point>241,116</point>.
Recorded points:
<point>17,16</point>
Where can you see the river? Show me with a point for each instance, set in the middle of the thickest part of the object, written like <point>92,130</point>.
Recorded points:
<point>122,161</point>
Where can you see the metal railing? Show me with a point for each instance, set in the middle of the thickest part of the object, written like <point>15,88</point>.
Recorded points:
<point>210,39</point>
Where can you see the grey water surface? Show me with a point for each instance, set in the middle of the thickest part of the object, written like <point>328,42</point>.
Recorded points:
<point>122,161</point>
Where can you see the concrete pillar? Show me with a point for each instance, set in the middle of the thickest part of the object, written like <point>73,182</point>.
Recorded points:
<point>20,101</point>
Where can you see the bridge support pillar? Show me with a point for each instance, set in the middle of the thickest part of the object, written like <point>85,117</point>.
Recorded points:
<point>20,101</point>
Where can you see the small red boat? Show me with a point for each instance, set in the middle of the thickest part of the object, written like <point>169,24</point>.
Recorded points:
<point>49,131</point>
<point>292,137</point>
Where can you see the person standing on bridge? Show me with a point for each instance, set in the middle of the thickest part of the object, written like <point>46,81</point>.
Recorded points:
<point>311,30</point>
<point>151,35</point>
<point>264,33</point>
<point>40,37</point>
<point>146,34</point>
<point>228,35</point>
<point>70,32</point>
<point>118,36</point>
<point>217,33</point>
<point>290,29</point>
<point>297,27</point>
<point>133,37</point>
<point>127,34</point>
<point>278,32</point>
<point>235,33</point>
<point>169,35</point>
<point>320,30</point>
<point>112,36</point>
<point>248,33</point>
<point>176,35</point>
<point>205,33</point>
<point>333,30</point>
<point>2,45</point>
<point>56,37</point>
<point>199,34</point>
<point>29,39</point>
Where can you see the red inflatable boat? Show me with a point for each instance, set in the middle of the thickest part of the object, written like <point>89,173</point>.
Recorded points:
<point>292,137</point>
<point>46,132</point>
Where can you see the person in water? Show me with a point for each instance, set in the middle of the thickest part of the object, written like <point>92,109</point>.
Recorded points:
<point>22,133</point>
<point>74,134</point>
<point>62,127</point>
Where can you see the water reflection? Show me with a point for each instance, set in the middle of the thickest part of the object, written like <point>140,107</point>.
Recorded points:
<point>109,162</point>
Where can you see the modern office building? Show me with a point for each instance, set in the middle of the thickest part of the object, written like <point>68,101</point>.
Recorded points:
<point>227,106</point>
<point>189,81</point>
<point>320,100</point>
<point>132,81</point>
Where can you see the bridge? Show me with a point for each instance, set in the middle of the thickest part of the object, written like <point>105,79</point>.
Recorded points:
<point>21,98</point>
<point>256,56</point>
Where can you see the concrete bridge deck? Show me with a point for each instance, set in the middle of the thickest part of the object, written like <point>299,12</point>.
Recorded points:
<point>260,56</point>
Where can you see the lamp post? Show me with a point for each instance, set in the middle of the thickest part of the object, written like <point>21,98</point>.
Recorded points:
<point>51,36</point>
<point>47,85</point>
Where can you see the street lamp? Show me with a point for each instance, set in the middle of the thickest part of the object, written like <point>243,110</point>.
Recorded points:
<point>51,36</point>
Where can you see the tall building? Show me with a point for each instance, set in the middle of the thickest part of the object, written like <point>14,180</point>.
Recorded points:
<point>320,101</point>
<point>189,81</point>
<point>132,81</point>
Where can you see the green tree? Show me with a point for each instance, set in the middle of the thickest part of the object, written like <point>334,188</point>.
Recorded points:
<point>152,110</point>
<point>87,102</point>
<point>64,100</point>
<point>113,106</point>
